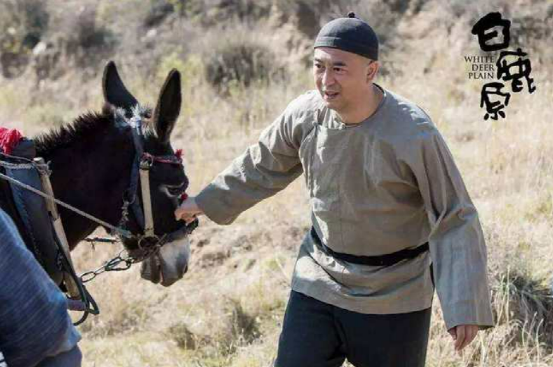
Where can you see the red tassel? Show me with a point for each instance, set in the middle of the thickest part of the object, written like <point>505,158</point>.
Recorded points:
<point>178,153</point>
<point>9,138</point>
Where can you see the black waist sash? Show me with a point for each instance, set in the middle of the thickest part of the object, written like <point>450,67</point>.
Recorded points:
<point>382,260</point>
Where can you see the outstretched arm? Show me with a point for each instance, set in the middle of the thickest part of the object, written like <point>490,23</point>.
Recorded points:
<point>261,171</point>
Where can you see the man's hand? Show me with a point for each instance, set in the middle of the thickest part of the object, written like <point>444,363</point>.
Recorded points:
<point>188,210</point>
<point>463,335</point>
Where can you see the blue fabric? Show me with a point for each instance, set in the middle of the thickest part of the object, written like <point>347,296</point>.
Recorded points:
<point>73,358</point>
<point>34,323</point>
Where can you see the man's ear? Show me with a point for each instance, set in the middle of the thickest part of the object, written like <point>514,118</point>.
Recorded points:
<point>372,70</point>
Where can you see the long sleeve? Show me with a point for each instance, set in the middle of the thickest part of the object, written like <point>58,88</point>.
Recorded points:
<point>456,240</point>
<point>261,171</point>
<point>34,322</point>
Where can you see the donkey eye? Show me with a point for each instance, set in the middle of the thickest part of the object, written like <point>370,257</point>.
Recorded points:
<point>175,190</point>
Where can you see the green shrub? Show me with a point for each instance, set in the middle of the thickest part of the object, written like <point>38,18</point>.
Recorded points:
<point>528,304</point>
<point>158,11</point>
<point>241,327</point>
<point>212,13</point>
<point>82,38</point>
<point>23,24</point>
<point>182,335</point>
<point>240,62</point>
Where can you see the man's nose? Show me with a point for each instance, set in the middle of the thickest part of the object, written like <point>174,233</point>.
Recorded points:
<point>328,78</point>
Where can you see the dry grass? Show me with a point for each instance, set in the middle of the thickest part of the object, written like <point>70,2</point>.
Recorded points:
<point>228,309</point>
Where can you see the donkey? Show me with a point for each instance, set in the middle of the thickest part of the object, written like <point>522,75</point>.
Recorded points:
<point>93,158</point>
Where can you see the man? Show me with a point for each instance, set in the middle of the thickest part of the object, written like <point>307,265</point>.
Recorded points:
<point>386,199</point>
<point>35,328</point>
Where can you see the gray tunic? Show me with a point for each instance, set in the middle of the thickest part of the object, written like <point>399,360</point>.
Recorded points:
<point>386,184</point>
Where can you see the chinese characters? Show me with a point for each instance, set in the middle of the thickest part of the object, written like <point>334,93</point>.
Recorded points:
<point>485,30</point>
<point>512,66</point>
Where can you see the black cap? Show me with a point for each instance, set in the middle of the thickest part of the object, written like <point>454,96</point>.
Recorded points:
<point>349,34</point>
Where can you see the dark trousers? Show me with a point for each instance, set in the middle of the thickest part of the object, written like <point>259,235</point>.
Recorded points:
<point>316,334</point>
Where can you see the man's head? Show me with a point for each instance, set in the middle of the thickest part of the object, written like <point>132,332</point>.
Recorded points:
<point>345,62</point>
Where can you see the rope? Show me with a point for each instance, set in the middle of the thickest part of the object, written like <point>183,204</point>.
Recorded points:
<point>120,231</point>
<point>17,166</point>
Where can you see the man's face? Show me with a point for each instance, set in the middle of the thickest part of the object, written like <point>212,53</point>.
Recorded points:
<point>342,78</point>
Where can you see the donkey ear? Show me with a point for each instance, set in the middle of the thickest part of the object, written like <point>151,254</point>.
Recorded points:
<point>115,92</point>
<point>168,106</point>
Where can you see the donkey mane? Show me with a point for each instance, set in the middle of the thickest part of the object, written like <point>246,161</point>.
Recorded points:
<point>65,135</point>
<point>83,126</point>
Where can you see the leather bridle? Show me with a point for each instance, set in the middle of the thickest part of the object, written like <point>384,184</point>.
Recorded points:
<point>149,243</point>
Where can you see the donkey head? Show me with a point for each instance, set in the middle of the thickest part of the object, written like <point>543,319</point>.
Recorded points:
<point>167,178</point>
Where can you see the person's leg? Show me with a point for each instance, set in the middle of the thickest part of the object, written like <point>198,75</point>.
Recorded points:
<point>72,358</point>
<point>309,336</point>
<point>394,340</point>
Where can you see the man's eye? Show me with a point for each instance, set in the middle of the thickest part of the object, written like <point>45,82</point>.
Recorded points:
<point>318,66</point>
<point>339,70</point>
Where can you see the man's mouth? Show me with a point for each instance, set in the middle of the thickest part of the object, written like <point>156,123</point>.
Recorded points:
<point>329,95</point>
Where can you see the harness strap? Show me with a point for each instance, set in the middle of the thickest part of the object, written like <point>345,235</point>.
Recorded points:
<point>146,198</point>
<point>70,283</point>
<point>133,188</point>
<point>382,260</point>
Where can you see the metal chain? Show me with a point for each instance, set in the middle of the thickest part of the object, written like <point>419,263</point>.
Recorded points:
<point>118,230</point>
<point>111,265</point>
<point>115,263</point>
